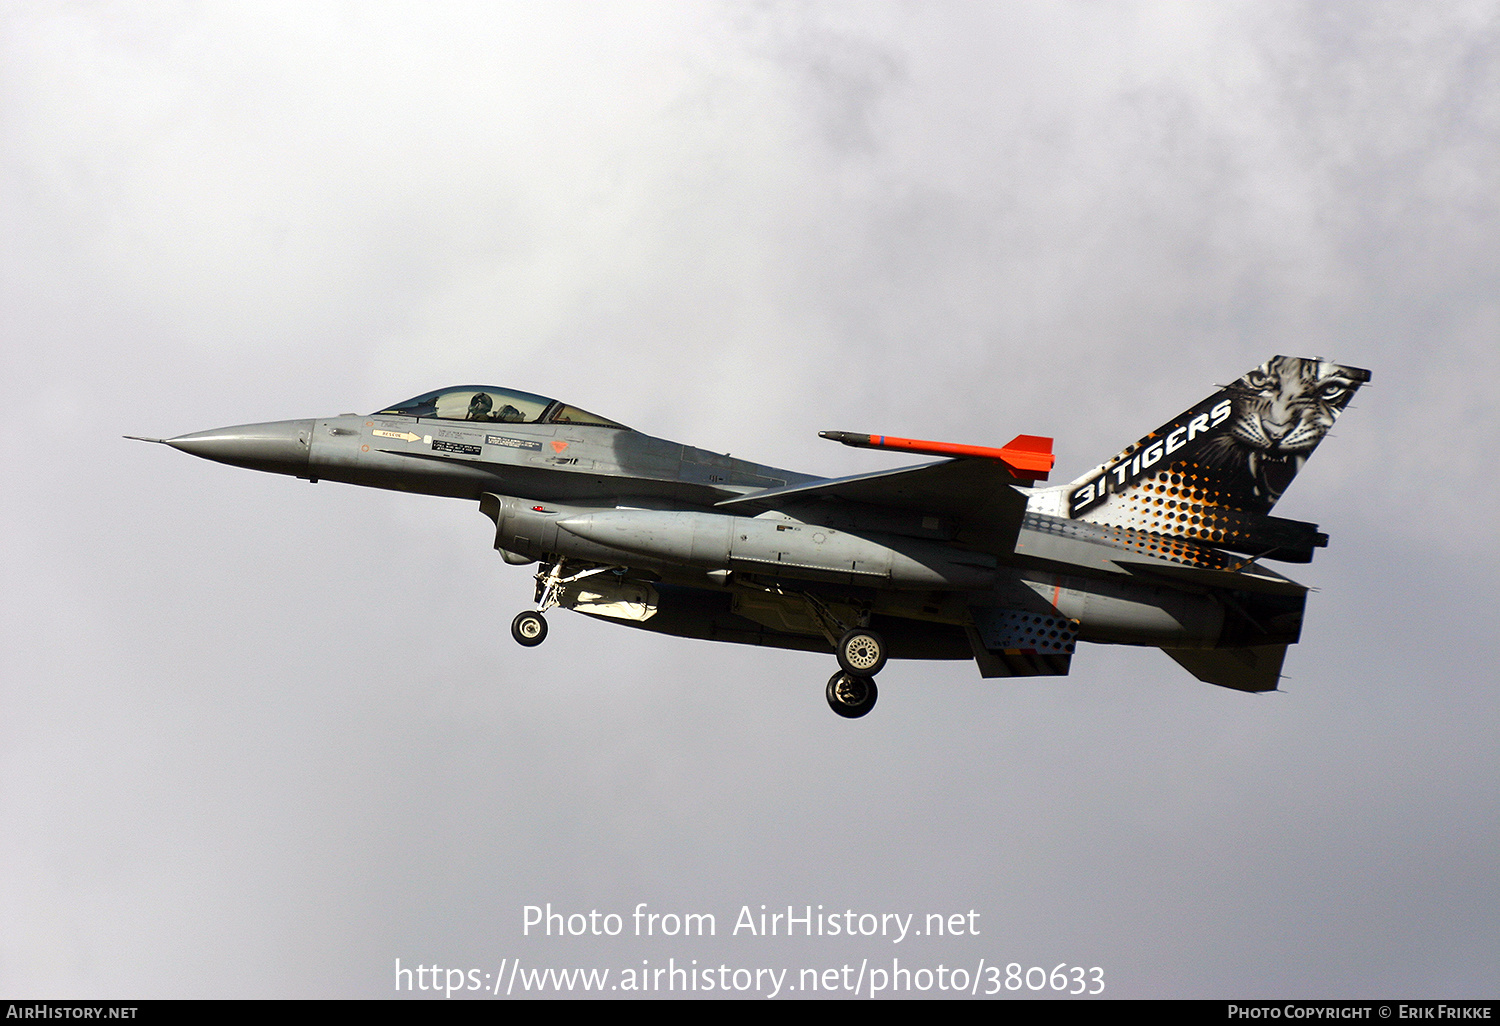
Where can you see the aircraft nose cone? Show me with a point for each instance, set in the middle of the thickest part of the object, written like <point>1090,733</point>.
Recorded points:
<point>281,447</point>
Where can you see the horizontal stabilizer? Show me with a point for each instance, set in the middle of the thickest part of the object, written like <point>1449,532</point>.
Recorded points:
<point>1257,668</point>
<point>978,495</point>
<point>1028,457</point>
<point>1252,578</point>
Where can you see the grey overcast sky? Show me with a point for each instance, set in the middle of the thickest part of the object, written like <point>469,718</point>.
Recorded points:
<point>266,739</point>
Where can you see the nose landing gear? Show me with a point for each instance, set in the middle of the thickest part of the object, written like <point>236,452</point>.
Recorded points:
<point>529,628</point>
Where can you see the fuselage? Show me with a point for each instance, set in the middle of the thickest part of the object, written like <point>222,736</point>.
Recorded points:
<point>610,495</point>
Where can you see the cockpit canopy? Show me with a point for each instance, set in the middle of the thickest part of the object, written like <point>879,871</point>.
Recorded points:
<point>490,405</point>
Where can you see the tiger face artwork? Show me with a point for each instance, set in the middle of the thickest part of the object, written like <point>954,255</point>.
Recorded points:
<point>1279,413</point>
<point>1238,450</point>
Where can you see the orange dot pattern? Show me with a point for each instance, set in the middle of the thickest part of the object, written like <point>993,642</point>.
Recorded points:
<point>1143,541</point>
<point>1186,500</point>
<point>1015,632</point>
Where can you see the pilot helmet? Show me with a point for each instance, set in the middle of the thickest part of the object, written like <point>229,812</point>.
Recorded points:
<point>480,406</point>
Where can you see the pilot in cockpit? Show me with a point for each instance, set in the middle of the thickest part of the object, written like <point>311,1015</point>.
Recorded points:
<point>482,407</point>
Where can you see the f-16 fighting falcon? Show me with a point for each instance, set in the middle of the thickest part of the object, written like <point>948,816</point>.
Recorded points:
<point>965,557</point>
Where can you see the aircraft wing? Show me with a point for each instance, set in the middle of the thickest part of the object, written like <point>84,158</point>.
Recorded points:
<point>976,495</point>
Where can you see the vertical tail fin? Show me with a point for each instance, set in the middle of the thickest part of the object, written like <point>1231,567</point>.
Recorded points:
<point>1214,472</point>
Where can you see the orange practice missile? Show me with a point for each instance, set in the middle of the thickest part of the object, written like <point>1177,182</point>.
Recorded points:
<point>1027,456</point>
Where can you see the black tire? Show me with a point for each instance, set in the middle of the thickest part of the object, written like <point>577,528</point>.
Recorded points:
<point>850,695</point>
<point>529,628</point>
<point>861,653</point>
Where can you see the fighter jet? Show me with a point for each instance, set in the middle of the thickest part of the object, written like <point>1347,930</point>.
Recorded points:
<point>965,557</point>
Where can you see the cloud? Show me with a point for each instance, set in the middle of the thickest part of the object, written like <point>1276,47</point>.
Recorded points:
<point>263,739</point>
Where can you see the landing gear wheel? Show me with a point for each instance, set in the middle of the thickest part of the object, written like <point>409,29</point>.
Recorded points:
<point>529,628</point>
<point>861,653</point>
<point>850,695</point>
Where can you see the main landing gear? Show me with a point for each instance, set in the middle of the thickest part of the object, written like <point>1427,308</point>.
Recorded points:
<point>851,696</point>
<point>861,654</point>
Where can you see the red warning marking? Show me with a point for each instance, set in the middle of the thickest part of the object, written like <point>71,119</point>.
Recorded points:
<point>559,446</point>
